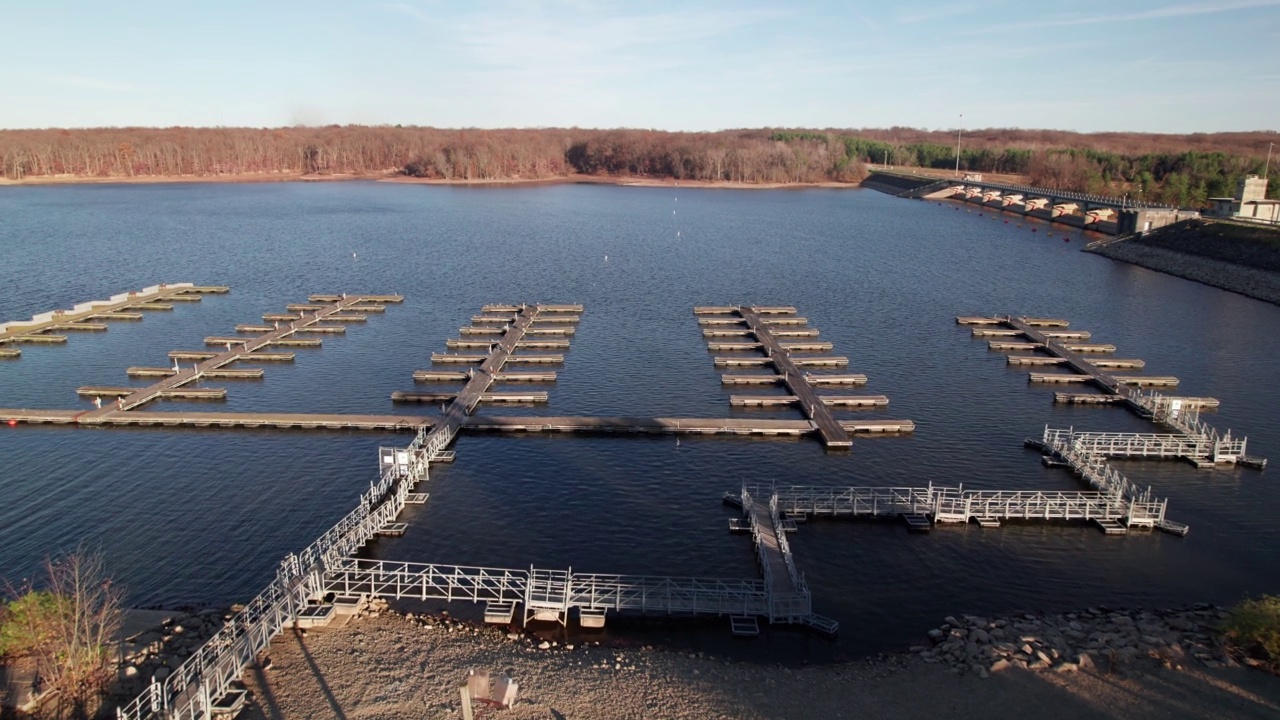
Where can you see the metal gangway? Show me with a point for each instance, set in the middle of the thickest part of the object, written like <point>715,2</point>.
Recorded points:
<point>1076,451</point>
<point>1214,447</point>
<point>206,677</point>
<point>560,591</point>
<point>788,598</point>
<point>957,505</point>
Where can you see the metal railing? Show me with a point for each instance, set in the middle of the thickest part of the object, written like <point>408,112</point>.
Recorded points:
<point>870,501</point>
<point>592,591</point>
<point>1049,193</point>
<point>1219,447</point>
<point>424,581</point>
<point>207,675</point>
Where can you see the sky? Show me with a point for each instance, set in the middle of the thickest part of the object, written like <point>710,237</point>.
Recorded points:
<point>1087,65</point>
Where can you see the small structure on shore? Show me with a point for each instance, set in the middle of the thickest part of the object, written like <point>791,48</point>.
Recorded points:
<point>1250,202</point>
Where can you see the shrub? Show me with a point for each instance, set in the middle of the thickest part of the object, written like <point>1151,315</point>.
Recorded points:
<point>27,623</point>
<point>67,629</point>
<point>1254,628</point>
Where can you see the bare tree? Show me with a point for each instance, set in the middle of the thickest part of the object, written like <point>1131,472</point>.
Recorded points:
<point>73,631</point>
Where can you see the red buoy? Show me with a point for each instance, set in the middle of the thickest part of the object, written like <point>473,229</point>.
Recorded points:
<point>13,422</point>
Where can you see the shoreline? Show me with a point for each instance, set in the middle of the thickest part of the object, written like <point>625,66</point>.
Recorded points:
<point>575,179</point>
<point>1092,664</point>
<point>393,665</point>
<point>1255,283</point>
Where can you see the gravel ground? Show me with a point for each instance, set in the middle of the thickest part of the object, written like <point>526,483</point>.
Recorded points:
<point>386,665</point>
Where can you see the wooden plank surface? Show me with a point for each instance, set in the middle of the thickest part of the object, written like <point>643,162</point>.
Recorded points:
<point>832,433</point>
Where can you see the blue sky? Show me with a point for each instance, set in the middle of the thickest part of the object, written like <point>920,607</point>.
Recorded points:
<point>1141,65</point>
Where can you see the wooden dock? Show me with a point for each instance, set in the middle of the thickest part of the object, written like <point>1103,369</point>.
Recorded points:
<point>759,330</point>
<point>1180,413</point>
<point>520,425</point>
<point>759,323</point>
<point>401,396</point>
<point>442,376</point>
<point>40,328</point>
<point>238,349</point>
<point>176,382</point>
<point>828,400</point>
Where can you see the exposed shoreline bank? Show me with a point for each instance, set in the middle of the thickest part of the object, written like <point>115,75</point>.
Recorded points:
<point>577,179</point>
<point>1261,285</point>
<point>1095,663</point>
<point>395,665</point>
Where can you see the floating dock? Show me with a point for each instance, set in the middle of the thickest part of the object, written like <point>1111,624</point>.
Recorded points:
<point>1180,413</point>
<point>41,328</point>
<point>760,328</point>
<point>174,381</point>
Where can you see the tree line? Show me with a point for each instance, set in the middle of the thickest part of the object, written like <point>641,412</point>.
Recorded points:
<point>1183,170</point>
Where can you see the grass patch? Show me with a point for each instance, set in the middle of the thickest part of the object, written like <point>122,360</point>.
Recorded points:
<point>1253,629</point>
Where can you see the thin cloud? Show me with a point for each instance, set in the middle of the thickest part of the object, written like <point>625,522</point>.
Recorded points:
<point>409,10</point>
<point>1169,11</point>
<point>943,12</point>
<point>90,83</point>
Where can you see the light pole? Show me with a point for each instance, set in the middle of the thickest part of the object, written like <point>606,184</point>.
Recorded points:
<point>1267,168</point>
<point>958,131</point>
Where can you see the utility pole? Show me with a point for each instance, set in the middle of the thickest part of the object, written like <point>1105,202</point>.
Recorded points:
<point>958,131</point>
<point>1267,168</point>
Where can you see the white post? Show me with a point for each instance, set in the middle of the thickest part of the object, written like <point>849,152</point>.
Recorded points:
<point>959,130</point>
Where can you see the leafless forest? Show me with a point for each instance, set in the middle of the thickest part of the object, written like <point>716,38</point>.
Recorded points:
<point>1182,169</point>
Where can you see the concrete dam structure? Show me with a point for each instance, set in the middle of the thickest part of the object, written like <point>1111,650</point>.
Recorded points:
<point>1098,213</point>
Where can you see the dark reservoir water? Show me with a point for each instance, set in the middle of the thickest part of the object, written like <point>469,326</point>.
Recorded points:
<point>203,517</point>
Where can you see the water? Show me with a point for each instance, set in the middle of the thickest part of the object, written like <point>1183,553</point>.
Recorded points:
<point>203,517</point>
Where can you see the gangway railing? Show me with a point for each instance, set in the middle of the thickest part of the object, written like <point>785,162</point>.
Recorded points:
<point>208,674</point>
<point>869,501</point>
<point>1185,418</point>
<point>591,591</point>
<point>425,581</point>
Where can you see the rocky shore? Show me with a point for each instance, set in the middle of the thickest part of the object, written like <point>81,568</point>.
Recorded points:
<point>380,663</point>
<point>156,651</point>
<point>1097,663</point>
<point>1242,260</point>
<point>1093,638</point>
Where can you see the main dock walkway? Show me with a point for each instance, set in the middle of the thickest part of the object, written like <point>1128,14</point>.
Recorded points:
<point>766,325</point>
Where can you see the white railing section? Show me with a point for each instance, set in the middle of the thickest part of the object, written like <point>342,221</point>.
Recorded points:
<point>784,546</point>
<point>955,504</point>
<point>207,675</point>
<point>1218,447</point>
<point>1093,467</point>
<point>854,500</point>
<point>593,591</point>
<point>423,581</point>
<point>748,506</point>
<point>669,595</point>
